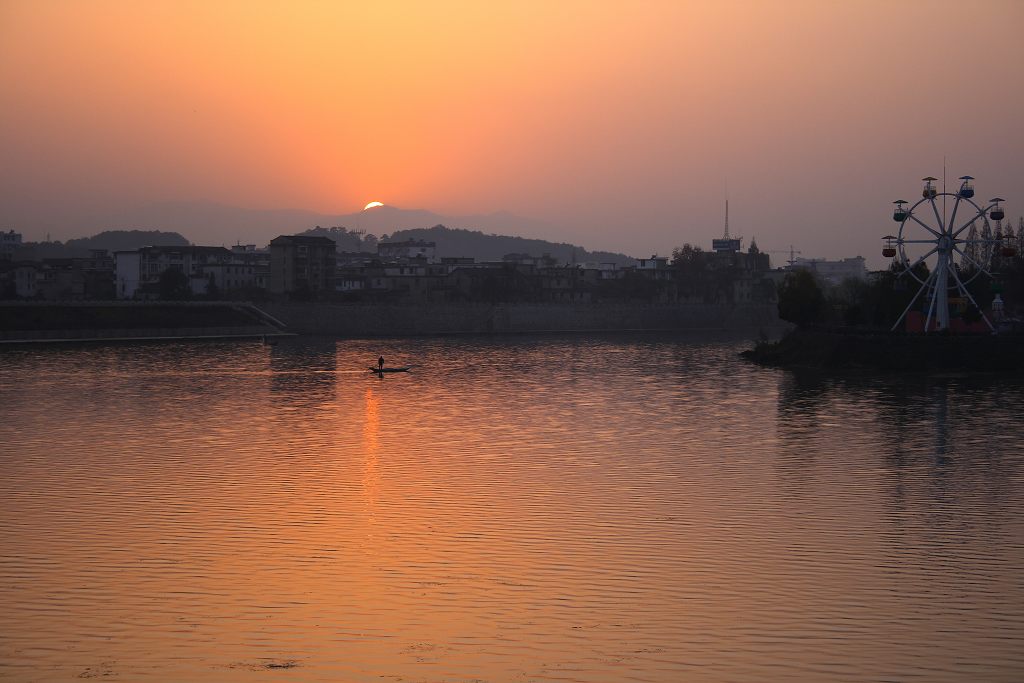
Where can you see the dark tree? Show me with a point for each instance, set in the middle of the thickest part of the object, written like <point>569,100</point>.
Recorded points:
<point>890,294</point>
<point>854,316</point>
<point>173,285</point>
<point>800,298</point>
<point>971,314</point>
<point>636,287</point>
<point>689,259</point>
<point>691,272</point>
<point>1013,283</point>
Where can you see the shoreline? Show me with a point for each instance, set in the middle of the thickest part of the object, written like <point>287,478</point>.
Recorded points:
<point>438,319</point>
<point>71,322</point>
<point>739,333</point>
<point>880,352</point>
<point>143,338</point>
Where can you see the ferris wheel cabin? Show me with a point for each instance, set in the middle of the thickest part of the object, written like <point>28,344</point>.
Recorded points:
<point>996,213</point>
<point>966,187</point>
<point>929,190</point>
<point>899,214</point>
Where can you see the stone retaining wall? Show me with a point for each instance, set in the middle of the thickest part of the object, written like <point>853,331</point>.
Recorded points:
<point>11,336</point>
<point>397,320</point>
<point>364,320</point>
<point>75,321</point>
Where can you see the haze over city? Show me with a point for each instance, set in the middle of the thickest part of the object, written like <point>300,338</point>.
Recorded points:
<point>610,125</point>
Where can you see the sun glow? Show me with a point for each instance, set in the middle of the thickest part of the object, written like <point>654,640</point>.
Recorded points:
<point>371,205</point>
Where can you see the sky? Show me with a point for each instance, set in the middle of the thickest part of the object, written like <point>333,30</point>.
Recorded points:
<point>622,125</point>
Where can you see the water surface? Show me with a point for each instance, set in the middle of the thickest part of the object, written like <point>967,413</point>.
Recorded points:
<point>557,508</point>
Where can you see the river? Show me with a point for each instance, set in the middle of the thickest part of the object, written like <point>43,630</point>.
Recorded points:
<point>592,508</point>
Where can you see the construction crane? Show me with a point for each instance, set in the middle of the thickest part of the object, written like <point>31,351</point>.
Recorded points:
<point>792,253</point>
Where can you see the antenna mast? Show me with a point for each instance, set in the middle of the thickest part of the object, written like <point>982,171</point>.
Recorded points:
<point>726,236</point>
<point>943,188</point>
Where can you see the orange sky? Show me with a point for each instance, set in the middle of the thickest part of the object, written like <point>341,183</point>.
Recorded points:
<point>618,123</point>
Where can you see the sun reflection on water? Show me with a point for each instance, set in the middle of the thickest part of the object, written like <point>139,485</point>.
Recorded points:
<point>371,443</point>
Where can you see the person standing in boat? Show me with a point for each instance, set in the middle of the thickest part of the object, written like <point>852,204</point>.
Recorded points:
<point>380,363</point>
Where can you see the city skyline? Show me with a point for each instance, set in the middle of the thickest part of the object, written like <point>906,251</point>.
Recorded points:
<point>623,129</point>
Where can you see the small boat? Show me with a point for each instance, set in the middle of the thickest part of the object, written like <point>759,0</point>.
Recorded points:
<point>405,369</point>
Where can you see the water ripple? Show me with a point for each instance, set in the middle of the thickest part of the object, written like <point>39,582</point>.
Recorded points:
<point>575,509</point>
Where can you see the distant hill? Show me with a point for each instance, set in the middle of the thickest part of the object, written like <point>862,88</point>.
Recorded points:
<point>388,221</point>
<point>485,237</point>
<point>216,224</point>
<point>460,242</point>
<point>111,240</point>
<point>345,239</point>
<point>114,240</point>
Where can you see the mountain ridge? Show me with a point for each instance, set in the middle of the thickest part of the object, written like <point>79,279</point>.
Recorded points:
<point>109,240</point>
<point>208,222</point>
<point>472,243</point>
<point>212,223</point>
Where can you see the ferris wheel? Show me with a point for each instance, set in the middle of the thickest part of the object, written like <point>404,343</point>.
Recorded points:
<point>949,233</point>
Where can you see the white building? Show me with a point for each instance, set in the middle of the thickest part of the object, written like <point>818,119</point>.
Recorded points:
<point>127,273</point>
<point>9,243</point>
<point>227,277</point>
<point>605,271</point>
<point>407,250</point>
<point>136,272</point>
<point>25,278</point>
<point>653,263</point>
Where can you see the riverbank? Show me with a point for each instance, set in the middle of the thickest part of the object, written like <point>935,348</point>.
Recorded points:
<point>396,320</point>
<point>44,322</point>
<point>27,322</point>
<point>837,351</point>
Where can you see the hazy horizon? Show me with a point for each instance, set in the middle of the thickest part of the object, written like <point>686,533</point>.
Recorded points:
<point>622,128</point>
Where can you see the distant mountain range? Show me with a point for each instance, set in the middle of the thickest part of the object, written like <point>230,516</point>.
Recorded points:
<point>110,240</point>
<point>457,235</point>
<point>217,224</point>
<point>460,242</point>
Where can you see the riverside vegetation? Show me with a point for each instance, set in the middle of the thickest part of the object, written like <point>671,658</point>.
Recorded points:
<point>849,326</point>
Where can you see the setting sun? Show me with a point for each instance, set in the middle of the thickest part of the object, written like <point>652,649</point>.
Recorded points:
<point>371,205</point>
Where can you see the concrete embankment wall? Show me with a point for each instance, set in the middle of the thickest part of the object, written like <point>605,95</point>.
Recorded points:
<point>31,321</point>
<point>363,320</point>
<point>127,334</point>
